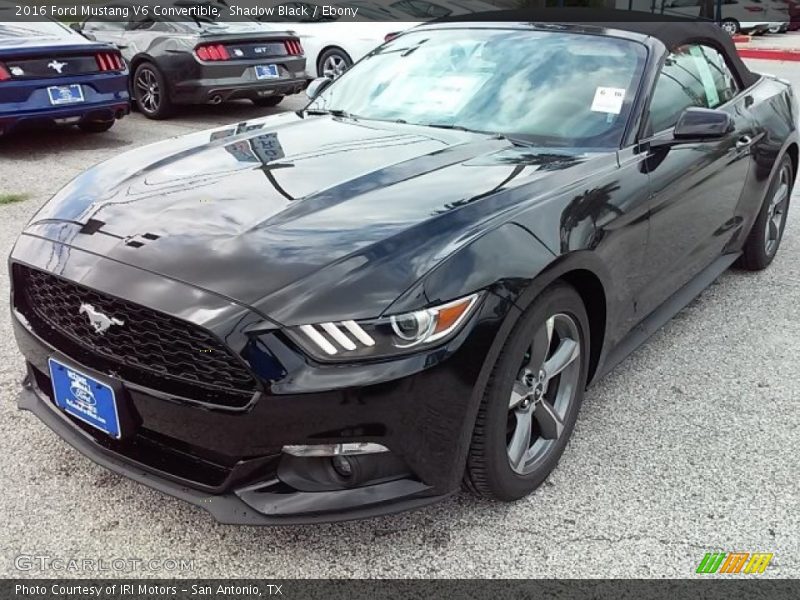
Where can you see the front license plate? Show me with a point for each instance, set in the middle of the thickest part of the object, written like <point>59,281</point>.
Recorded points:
<point>85,398</point>
<point>267,71</point>
<point>65,94</point>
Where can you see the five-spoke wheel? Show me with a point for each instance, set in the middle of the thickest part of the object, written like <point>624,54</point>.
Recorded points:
<point>543,391</point>
<point>764,239</point>
<point>777,210</point>
<point>333,63</point>
<point>531,401</point>
<point>150,92</point>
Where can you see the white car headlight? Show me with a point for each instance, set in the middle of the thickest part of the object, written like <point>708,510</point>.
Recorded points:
<point>387,336</point>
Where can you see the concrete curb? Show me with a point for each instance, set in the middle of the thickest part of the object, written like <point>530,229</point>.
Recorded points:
<point>769,53</point>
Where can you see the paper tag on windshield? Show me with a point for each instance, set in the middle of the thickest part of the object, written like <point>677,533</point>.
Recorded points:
<point>608,100</point>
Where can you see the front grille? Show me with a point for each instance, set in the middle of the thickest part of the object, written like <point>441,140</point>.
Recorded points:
<point>151,348</point>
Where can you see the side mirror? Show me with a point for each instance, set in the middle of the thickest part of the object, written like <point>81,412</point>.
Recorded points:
<point>76,27</point>
<point>697,124</point>
<point>703,124</point>
<point>315,88</point>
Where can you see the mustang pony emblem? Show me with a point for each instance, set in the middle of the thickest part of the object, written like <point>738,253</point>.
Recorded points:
<point>99,321</point>
<point>56,66</point>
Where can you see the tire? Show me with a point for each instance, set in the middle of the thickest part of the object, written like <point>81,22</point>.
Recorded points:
<point>96,126</point>
<point>268,101</point>
<point>499,438</point>
<point>150,92</point>
<point>731,26</point>
<point>765,237</point>
<point>333,62</point>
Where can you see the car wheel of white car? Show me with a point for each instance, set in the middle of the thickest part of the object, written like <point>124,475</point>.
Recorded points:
<point>731,26</point>
<point>333,62</point>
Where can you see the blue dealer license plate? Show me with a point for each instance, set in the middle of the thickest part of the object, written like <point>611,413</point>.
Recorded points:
<point>267,72</point>
<point>85,398</point>
<point>65,94</point>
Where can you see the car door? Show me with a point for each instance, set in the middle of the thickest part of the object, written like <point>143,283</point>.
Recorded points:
<point>695,186</point>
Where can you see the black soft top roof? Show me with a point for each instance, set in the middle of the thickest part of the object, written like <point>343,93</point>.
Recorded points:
<point>671,31</point>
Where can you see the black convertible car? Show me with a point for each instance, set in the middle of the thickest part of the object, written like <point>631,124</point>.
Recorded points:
<point>356,308</point>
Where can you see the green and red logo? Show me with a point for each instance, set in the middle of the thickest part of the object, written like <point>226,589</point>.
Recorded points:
<point>733,563</point>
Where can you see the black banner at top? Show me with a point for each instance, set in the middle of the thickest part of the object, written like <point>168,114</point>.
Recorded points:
<point>218,12</point>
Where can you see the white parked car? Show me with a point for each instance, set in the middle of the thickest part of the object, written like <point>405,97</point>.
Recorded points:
<point>331,44</point>
<point>738,16</point>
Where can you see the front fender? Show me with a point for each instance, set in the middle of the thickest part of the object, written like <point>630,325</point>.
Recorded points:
<point>504,261</point>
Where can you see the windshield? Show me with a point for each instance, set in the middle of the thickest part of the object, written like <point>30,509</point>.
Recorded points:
<point>545,87</point>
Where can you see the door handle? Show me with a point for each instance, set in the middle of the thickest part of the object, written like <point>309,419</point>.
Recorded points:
<point>743,142</point>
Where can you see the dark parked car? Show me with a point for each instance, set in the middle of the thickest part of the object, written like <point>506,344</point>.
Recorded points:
<point>353,309</point>
<point>200,61</point>
<point>50,74</point>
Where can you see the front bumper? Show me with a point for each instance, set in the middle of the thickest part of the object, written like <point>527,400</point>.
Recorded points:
<point>247,506</point>
<point>229,461</point>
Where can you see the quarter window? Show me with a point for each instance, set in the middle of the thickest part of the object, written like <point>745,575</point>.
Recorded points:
<point>693,75</point>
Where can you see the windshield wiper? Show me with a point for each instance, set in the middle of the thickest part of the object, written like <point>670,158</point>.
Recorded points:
<point>451,126</point>
<point>335,112</point>
<point>499,136</point>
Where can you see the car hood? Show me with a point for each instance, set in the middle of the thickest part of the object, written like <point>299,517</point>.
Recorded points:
<point>299,216</point>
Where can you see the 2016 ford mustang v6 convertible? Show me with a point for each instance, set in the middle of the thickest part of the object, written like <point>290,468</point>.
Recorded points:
<point>353,309</point>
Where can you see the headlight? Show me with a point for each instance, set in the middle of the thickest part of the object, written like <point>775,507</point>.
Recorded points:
<point>387,336</point>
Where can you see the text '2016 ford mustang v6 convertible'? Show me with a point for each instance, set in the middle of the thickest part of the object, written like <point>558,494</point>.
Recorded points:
<point>353,309</point>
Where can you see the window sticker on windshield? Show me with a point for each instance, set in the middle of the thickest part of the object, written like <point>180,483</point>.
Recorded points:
<point>705,75</point>
<point>608,100</point>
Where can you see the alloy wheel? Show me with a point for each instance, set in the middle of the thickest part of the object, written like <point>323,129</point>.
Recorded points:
<point>776,212</point>
<point>545,388</point>
<point>148,91</point>
<point>334,66</point>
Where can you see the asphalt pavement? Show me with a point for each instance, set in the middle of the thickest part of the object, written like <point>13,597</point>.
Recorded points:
<point>689,446</point>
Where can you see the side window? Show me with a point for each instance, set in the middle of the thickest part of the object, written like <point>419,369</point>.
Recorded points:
<point>692,75</point>
<point>724,81</point>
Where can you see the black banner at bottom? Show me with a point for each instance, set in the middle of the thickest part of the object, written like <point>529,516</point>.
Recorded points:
<point>291,589</point>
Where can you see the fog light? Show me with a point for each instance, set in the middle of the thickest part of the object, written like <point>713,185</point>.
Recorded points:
<point>335,449</point>
<point>342,466</point>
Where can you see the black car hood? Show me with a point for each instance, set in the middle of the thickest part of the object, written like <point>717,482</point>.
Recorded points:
<point>297,217</point>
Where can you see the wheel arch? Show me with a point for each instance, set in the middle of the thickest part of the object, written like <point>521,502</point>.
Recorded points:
<point>134,64</point>
<point>138,60</point>
<point>593,295</point>
<point>793,150</point>
<point>585,272</point>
